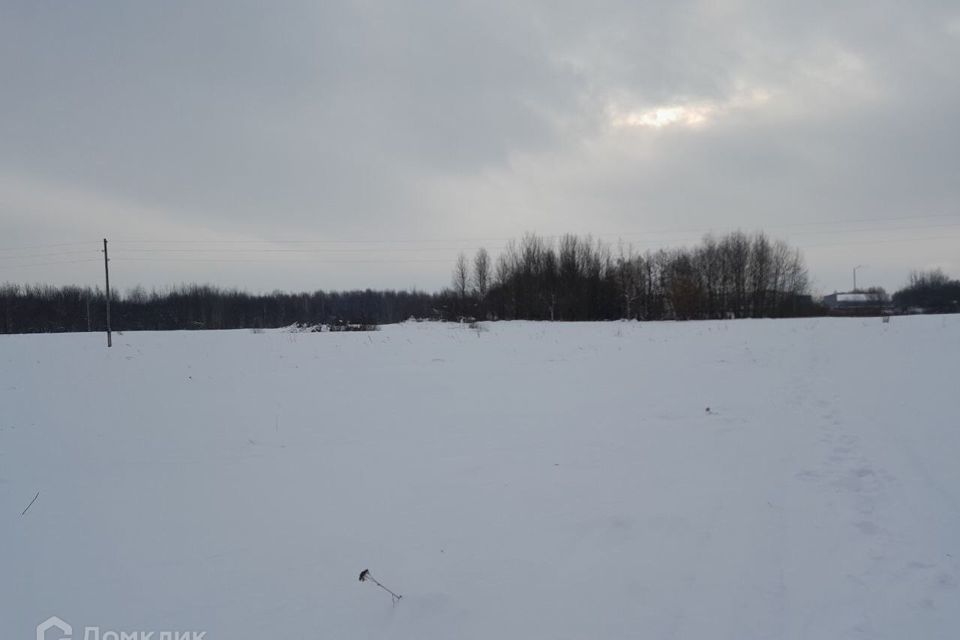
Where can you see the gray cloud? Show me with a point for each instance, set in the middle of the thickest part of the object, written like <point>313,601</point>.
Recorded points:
<point>477,121</point>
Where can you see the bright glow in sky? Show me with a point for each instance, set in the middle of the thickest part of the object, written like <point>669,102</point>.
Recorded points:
<point>664,116</point>
<point>686,115</point>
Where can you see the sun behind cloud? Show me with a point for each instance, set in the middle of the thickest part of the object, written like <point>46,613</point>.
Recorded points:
<point>689,115</point>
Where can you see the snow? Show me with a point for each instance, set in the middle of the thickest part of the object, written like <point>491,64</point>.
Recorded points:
<point>530,481</point>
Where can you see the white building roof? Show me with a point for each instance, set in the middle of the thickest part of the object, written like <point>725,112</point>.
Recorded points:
<point>856,297</point>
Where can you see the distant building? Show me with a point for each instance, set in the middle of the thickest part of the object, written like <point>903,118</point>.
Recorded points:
<point>857,303</point>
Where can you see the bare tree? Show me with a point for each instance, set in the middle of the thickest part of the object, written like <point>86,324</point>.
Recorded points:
<point>580,278</point>
<point>758,269</point>
<point>461,276</point>
<point>930,278</point>
<point>628,279</point>
<point>481,274</point>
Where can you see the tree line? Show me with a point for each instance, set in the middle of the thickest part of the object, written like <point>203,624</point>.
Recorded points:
<point>43,308</point>
<point>579,278</point>
<point>932,291</point>
<point>572,277</point>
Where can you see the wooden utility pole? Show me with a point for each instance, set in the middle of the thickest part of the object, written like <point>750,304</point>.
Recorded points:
<point>106,270</point>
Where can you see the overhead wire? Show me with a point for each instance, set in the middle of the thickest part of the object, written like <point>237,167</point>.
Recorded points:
<point>48,246</point>
<point>45,264</point>
<point>314,251</point>
<point>673,230</point>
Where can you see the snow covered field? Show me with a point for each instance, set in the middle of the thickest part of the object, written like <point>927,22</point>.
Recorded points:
<point>528,481</point>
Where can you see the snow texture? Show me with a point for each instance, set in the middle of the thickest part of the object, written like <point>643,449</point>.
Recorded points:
<point>529,481</point>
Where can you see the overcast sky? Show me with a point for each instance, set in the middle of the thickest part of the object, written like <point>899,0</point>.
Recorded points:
<point>392,134</point>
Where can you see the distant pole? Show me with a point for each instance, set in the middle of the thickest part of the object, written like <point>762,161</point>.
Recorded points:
<point>859,266</point>
<point>106,271</point>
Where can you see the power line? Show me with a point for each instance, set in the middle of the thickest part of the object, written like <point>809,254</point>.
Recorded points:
<point>212,250</point>
<point>289,241</point>
<point>288,261</point>
<point>46,246</point>
<point>45,264</point>
<point>881,229</point>
<point>308,260</point>
<point>259,249</point>
<point>46,255</point>
<point>888,240</point>
<point>306,251</point>
<point>428,241</point>
<point>474,239</point>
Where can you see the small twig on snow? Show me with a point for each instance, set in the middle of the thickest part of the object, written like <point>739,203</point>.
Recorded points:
<point>366,575</point>
<point>30,505</point>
